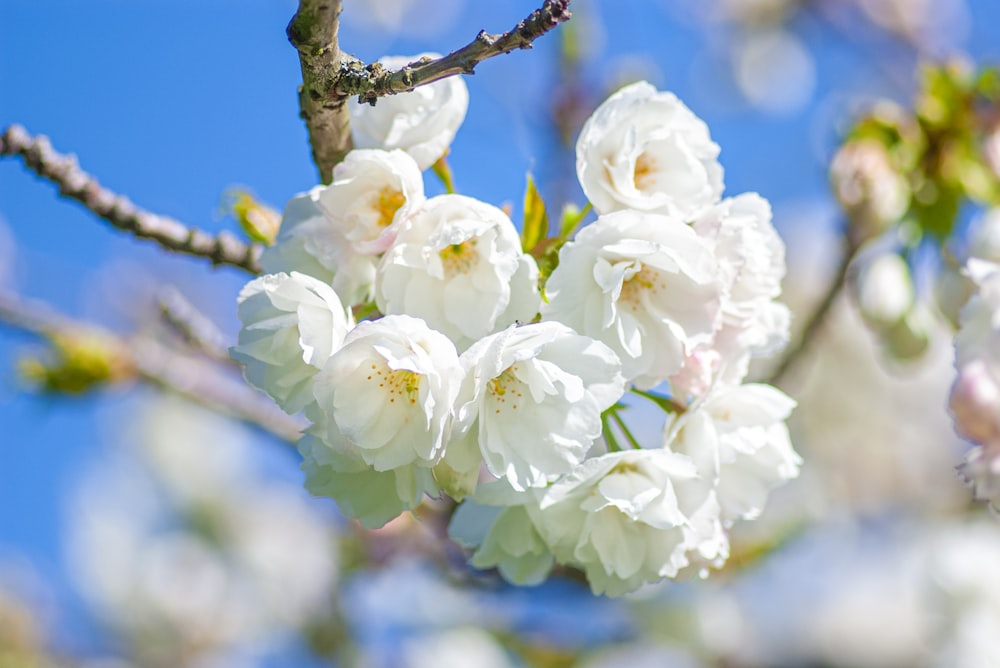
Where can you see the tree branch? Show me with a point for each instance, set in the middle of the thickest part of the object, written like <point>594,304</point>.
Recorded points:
<point>369,82</point>
<point>193,326</point>
<point>815,322</point>
<point>154,363</point>
<point>330,77</point>
<point>73,182</point>
<point>313,33</point>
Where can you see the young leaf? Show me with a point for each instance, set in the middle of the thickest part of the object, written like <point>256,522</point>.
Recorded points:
<point>536,219</point>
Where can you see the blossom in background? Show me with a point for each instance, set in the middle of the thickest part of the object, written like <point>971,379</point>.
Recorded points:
<point>533,399</point>
<point>975,395</point>
<point>292,324</point>
<point>646,285</point>
<point>422,122</point>
<point>184,540</point>
<point>459,266</point>
<point>884,290</point>
<point>643,149</point>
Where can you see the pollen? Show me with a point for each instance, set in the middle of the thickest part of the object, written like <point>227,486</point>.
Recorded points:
<point>401,384</point>
<point>387,202</point>
<point>459,258</point>
<point>645,172</point>
<point>505,386</point>
<point>645,281</point>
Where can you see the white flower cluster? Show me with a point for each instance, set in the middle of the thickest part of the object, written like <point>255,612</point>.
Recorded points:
<point>975,395</point>
<point>462,379</point>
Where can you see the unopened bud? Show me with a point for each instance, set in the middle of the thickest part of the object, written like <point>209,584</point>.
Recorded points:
<point>872,193</point>
<point>975,403</point>
<point>884,290</point>
<point>259,221</point>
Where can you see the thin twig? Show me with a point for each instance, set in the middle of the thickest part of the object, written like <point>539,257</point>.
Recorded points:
<point>815,322</point>
<point>313,33</point>
<point>73,182</point>
<point>330,77</point>
<point>370,82</point>
<point>156,364</point>
<point>193,326</point>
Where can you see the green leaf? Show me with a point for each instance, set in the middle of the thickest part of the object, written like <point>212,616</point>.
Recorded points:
<point>572,216</point>
<point>442,170</point>
<point>536,219</point>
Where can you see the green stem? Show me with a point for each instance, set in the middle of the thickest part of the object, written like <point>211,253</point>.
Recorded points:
<point>625,430</point>
<point>666,404</point>
<point>442,170</point>
<point>609,437</point>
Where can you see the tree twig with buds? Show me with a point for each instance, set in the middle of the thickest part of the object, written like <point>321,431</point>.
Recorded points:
<point>150,361</point>
<point>370,82</point>
<point>74,183</point>
<point>330,77</point>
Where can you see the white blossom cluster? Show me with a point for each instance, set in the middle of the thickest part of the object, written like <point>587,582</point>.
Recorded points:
<point>467,376</point>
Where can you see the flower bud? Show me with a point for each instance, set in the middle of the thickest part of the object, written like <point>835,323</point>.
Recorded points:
<point>865,183</point>
<point>884,290</point>
<point>975,403</point>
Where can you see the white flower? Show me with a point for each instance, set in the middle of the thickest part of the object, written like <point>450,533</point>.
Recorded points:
<point>646,285</point>
<point>459,266</point>
<point>623,518</point>
<point>643,149</point>
<point>292,324</point>
<point>737,437</point>
<point>979,333</point>
<point>373,497</point>
<point>498,524</point>
<point>534,395</point>
<point>387,396</point>
<point>751,255</point>
<point>309,242</point>
<point>985,239</point>
<point>306,241</point>
<point>751,260</point>
<point>422,122</point>
<point>371,194</point>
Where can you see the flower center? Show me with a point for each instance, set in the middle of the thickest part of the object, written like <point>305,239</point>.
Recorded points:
<point>644,280</point>
<point>505,386</point>
<point>645,168</point>
<point>623,468</point>
<point>401,384</point>
<point>459,258</point>
<point>387,202</point>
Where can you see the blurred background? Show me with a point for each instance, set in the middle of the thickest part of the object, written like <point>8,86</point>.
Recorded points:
<point>138,528</point>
